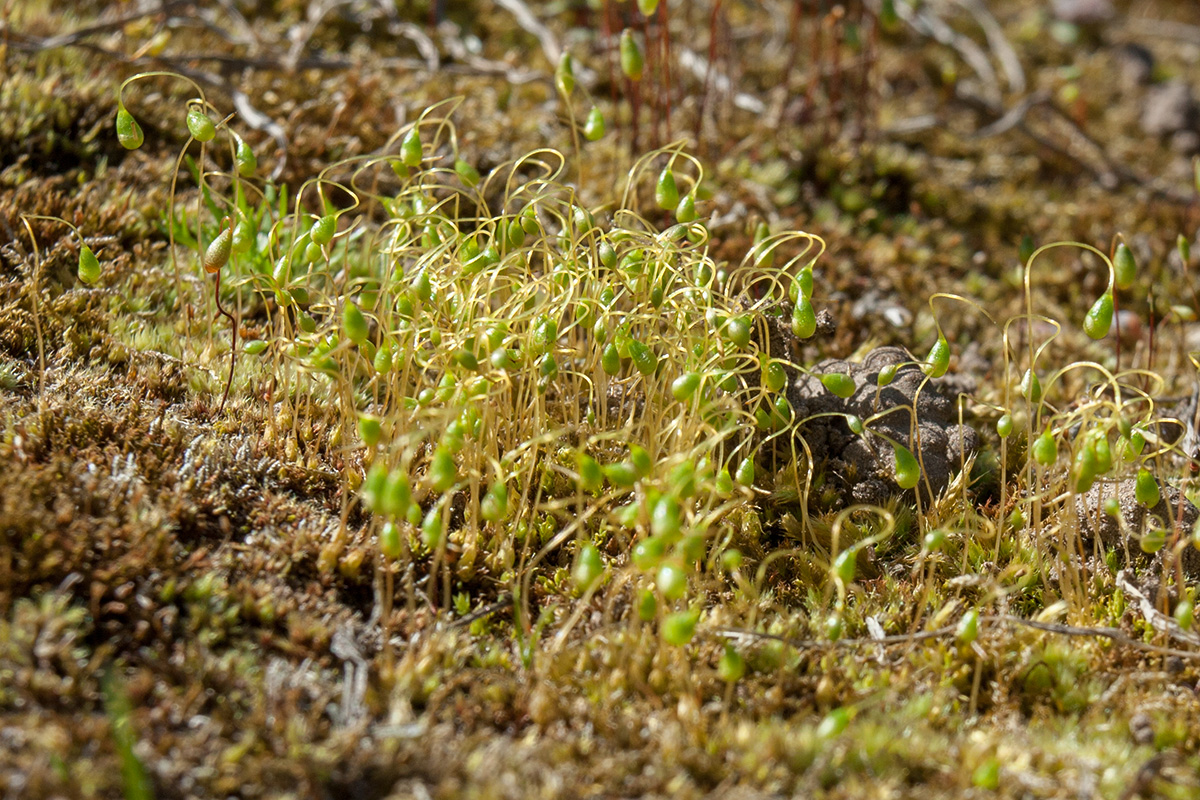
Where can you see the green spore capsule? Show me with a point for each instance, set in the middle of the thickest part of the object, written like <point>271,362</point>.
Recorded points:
<point>431,528</point>
<point>935,540</point>
<point>774,376</point>
<point>466,173</point>
<point>396,495</point>
<point>908,471</point>
<point>244,236</point>
<point>804,282</point>
<point>1145,488</point>
<point>938,360</point>
<point>683,387</point>
<point>804,318</point>
<point>1124,267</point>
<point>443,474</point>
<point>89,266</point>
<point>737,330</point>
<point>1185,613</point>
<point>564,75</point>
<point>588,569</point>
<point>724,482</point>
<point>1098,320</point>
<point>1045,449</point>
<point>886,375</point>
<point>608,257</point>
<point>641,460</point>
<point>354,323</point>
<point>370,428</point>
<point>685,211</point>
<point>1031,387</point>
<point>745,472</point>
<point>1084,468</point>
<point>1184,247</point>
<point>610,359</point>
<point>383,358</point>
<point>593,125</point>
<point>968,627</point>
<point>529,220</point>
<point>1004,426</point>
<point>671,581</point>
<point>389,541</point>
<point>648,7</point>
<point>647,607</point>
<point>219,249</point>
<point>731,667</point>
<point>494,505</point>
<point>372,486</point>
<point>591,476</point>
<point>835,721</point>
<point>411,151</point>
<point>648,553</point>
<point>129,133</point>
<point>666,192</point>
<point>200,126</point>
<point>632,61</point>
<point>247,162</point>
<point>621,474</point>
<point>1103,451</point>
<point>679,628</point>
<point>844,566</point>
<point>644,359</point>
<point>666,517</point>
<point>323,230</point>
<point>1026,249</point>
<point>839,383</point>
<point>1153,540</point>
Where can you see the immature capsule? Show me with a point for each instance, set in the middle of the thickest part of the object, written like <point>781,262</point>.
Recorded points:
<point>1124,267</point>
<point>1045,448</point>
<point>666,192</point>
<point>129,133</point>
<point>908,471</point>
<point>939,358</point>
<point>589,567</point>
<point>200,126</point>
<point>632,61</point>
<point>839,383</point>
<point>1098,320</point>
<point>89,265</point>
<point>410,148</point>
<point>593,126</point>
<point>1146,488</point>
<point>804,319</point>
<point>247,163</point>
<point>217,253</point>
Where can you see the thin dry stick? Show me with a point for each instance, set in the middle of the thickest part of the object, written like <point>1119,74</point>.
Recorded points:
<point>34,290</point>
<point>1113,634</point>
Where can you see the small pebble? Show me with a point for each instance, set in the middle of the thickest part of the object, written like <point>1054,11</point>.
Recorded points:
<point>1141,728</point>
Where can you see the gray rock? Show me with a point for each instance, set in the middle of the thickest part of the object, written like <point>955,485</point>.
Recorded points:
<point>1123,534</point>
<point>1083,12</point>
<point>1186,143</point>
<point>1136,64</point>
<point>1169,108</point>
<point>866,464</point>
